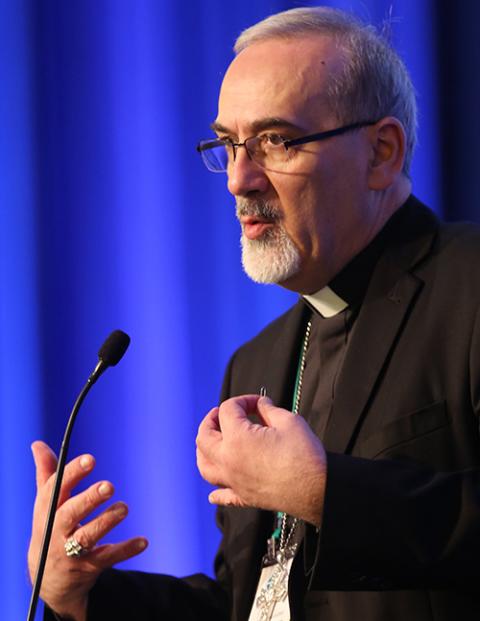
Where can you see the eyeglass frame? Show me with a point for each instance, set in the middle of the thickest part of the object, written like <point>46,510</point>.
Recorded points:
<point>204,145</point>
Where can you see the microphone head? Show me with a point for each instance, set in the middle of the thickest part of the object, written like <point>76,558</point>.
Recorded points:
<point>111,352</point>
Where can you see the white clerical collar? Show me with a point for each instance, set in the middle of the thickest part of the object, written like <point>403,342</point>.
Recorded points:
<point>326,302</point>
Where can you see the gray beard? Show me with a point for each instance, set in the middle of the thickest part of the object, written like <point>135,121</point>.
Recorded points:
<point>274,257</point>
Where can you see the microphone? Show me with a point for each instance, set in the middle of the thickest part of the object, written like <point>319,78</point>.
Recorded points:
<point>110,353</point>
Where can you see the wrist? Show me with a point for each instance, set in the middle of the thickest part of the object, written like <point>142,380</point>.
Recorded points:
<point>73,613</point>
<point>59,618</point>
<point>68,617</point>
<point>315,487</point>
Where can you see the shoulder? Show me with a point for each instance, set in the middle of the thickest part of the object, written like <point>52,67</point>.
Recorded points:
<point>456,252</point>
<point>449,270</point>
<point>459,239</point>
<point>270,333</point>
<point>264,353</point>
<point>450,249</point>
<point>260,347</point>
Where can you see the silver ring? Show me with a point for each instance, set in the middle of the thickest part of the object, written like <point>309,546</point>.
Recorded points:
<point>73,548</point>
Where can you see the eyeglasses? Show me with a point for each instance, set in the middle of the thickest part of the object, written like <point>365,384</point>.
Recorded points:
<point>266,150</point>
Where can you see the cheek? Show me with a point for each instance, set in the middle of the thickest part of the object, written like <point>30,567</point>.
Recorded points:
<point>314,193</point>
<point>342,166</point>
<point>310,222</point>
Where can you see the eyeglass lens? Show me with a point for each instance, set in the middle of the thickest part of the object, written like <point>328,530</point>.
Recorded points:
<point>259,149</point>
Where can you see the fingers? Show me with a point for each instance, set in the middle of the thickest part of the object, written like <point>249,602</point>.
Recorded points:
<point>75,576</point>
<point>208,442</point>
<point>226,497</point>
<point>46,465</point>
<point>222,424</point>
<point>80,506</point>
<point>90,534</point>
<point>210,424</point>
<point>272,415</point>
<point>231,414</point>
<point>75,471</point>
<point>209,471</point>
<point>235,411</point>
<point>110,554</point>
<point>45,462</point>
<point>209,438</point>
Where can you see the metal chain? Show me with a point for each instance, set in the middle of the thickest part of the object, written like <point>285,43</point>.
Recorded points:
<point>284,538</point>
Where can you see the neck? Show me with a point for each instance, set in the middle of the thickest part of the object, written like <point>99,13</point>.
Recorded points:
<point>377,213</point>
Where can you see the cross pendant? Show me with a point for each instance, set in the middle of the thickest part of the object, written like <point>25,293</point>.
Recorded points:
<point>274,591</point>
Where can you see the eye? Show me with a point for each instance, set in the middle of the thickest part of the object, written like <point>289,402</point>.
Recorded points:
<point>274,140</point>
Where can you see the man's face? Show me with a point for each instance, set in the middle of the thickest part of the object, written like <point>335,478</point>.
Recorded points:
<point>304,220</point>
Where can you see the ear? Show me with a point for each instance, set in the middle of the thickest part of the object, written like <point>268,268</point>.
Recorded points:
<point>388,143</point>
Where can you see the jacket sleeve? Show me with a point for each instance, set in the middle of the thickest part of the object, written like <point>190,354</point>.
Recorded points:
<point>126,595</point>
<point>390,524</point>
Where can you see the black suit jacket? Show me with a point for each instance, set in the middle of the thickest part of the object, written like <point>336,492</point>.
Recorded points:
<point>400,538</point>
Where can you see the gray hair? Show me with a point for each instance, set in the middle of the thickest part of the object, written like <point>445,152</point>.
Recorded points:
<point>374,82</point>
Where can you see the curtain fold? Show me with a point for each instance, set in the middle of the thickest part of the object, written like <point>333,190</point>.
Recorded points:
<point>109,220</point>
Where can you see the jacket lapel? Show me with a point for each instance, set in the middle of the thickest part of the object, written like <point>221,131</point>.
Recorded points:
<point>283,360</point>
<point>388,301</point>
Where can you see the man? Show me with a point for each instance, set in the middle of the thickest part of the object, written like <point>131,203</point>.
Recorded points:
<point>364,457</point>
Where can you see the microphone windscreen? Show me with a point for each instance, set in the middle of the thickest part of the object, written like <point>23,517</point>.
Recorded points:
<point>114,347</point>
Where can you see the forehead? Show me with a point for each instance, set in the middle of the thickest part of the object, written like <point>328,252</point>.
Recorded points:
<point>279,78</point>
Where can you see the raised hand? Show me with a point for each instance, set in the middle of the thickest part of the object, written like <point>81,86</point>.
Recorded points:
<point>68,580</point>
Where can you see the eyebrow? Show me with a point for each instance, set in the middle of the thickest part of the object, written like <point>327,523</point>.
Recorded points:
<point>258,126</point>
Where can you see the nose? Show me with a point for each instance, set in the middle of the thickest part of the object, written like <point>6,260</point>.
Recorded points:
<point>244,176</point>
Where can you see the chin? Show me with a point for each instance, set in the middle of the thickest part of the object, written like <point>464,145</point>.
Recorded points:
<point>272,258</point>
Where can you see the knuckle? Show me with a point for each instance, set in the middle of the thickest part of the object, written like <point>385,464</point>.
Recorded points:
<point>69,515</point>
<point>71,470</point>
<point>90,500</point>
<point>94,533</point>
<point>98,527</point>
<point>82,537</point>
<point>47,488</point>
<point>89,535</point>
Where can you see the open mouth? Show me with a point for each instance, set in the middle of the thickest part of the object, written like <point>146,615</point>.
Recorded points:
<point>255,226</point>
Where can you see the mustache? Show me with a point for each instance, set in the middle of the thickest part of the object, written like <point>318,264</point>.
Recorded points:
<point>257,208</point>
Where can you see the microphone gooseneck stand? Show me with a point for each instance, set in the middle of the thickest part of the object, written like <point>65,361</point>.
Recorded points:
<point>110,353</point>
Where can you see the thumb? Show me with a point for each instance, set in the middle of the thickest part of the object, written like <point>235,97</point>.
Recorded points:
<point>272,415</point>
<point>45,462</point>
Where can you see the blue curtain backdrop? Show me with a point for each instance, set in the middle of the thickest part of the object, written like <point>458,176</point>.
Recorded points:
<point>108,219</point>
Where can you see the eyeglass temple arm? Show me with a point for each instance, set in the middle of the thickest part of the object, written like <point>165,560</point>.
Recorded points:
<point>327,134</point>
<point>209,144</point>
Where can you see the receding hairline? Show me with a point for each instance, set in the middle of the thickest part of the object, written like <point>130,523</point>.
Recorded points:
<point>375,81</point>
<point>340,51</point>
<point>315,21</point>
<point>291,37</point>
<point>332,58</point>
